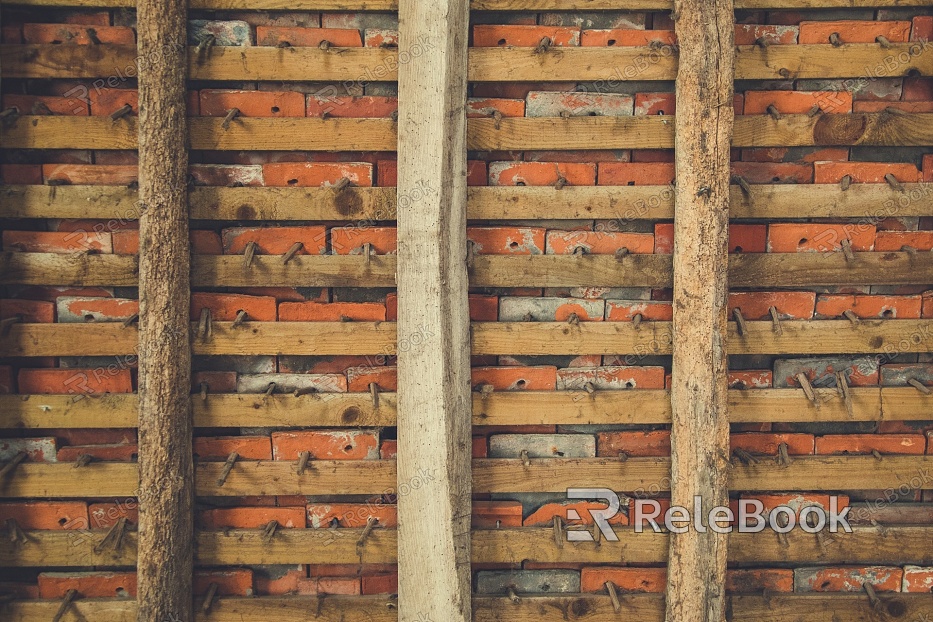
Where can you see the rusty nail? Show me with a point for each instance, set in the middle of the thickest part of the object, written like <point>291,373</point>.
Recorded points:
<point>204,389</point>
<point>291,252</point>
<point>374,392</point>
<point>249,252</point>
<point>232,114</point>
<point>303,462</point>
<point>228,466</point>
<point>845,182</point>
<point>14,462</point>
<point>613,596</point>
<point>523,455</point>
<point>82,461</point>
<point>558,532</point>
<point>239,319</point>
<point>209,597</point>
<point>67,601</point>
<point>740,324</point>
<point>850,315</point>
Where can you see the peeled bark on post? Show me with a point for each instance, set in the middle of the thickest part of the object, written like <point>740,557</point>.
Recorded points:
<point>166,493</point>
<point>434,404</point>
<point>700,432</point>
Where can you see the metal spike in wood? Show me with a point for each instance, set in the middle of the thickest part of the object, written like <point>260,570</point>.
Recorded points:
<point>67,602</point>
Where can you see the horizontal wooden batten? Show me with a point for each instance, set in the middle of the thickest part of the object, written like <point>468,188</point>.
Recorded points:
<point>551,475</point>
<point>234,547</point>
<point>489,608</point>
<point>368,205</point>
<point>603,65</point>
<point>510,408</point>
<point>478,5</point>
<point>885,337</point>
<point>519,133</point>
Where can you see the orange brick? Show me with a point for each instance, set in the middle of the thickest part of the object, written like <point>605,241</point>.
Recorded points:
<point>751,379</point>
<point>106,515</point>
<point>77,34</point>
<point>46,514</point>
<point>767,444</point>
<point>598,242</point>
<point>326,445</point>
<point>96,309</point>
<point>796,238</point>
<point>485,106</point>
<point>347,586</point>
<point>101,584</point>
<point>380,38</point>
<point>359,378</point>
<point>900,444</point>
<point>798,102</point>
<point>91,174</point>
<point>251,517</point>
<point>541,378</point>
<point>655,103</point>
<point>126,242</point>
<point>748,34</point>
<point>104,453</point>
<point>21,173</point>
<point>388,173</point>
<point>218,102</point>
<point>380,584</point>
<point>225,307</point>
<point>742,238</point>
<point>756,305</point>
<point>275,240</point>
<point>496,514</point>
<point>217,381</point>
<point>757,580</point>
<point>366,106</point>
<point>325,515</point>
<point>482,308</point>
<point>29,311</point>
<point>317,174</point>
<point>864,172</point>
<point>571,513</point>
<point>627,37</point>
<point>917,579</point>
<point>848,579</point>
<point>594,578</point>
<point>45,105</point>
<point>232,582</point>
<point>56,242</point>
<point>523,36</point>
<point>541,173</point>
<point>854,31</point>
<point>507,240</point>
<point>832,306</point>
<point>37,449</point>
<point>226,175</point>
<point>219,447</point>
<point>73,381</point>
<point>896,240</point>
<point>350,240</point>
<point>635,174</point>
<point>649,310</point>
<point>774,172</point>
<point>331,311</point>
<point>296,36</point>
<point>639,444</point>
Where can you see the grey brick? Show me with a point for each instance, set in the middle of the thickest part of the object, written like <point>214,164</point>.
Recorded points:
<point>527,581</point>
<point>542,445</point>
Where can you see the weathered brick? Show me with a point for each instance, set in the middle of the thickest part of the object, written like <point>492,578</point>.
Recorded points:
<point>46,514</point>
<point>637,444</point>
<point>486,106</point>
<point>83,309</point>
<point>864,172</point>
<point>496,514</point>
<point>226,33</point>
<point>609,378</point>
<point>288,383</point>
<point>347,586</point>
<point>571,513</point>
<point>774,172</point>
<point>897,240</point>
<point>275,240</point>
<point>77,34</point>
<point>649,310</point>
<point>550,104</point>
<point>326,445</point>
<point>742,238</point>
<point>90,174</point>
<point>45,105</point>
<point>847,579</point>
<point>251,517</point>
<point>750,379</point>
<point>126,242</point>
<point>757,305</point>
<point>541,173</point>
<point>99,584</point>
<point>507,240</point>
<point>627,37</point>
<point>350,240</point>
<point>56,242</point>
<point>896,444</point>
<point>37,449</point>
<point>542,378</point>
<point>220,447</point>
<point>542,445</point>
<point>797,102</point>
<point>380,583</point>
<point>120,452</point>
<point>796,238</point>
<point>74,381</point>
<point>226,307</point>
<point>106,515</point>
<point>853,31</point>
<point>308,37</point>
<point>594,578</point>
<point>527,581</point>
<point>21,173</point>
<point>860,371</point>
<point>527,309</point>
<point>317,174</point>
<point>226,175</point>
<point>218,102</point>
<point>29,311</point>
<point>366,106</point>
<point>832,306</point>
<point>636,174</point>
<point>524,36</point>
<point>598,242</point>
<point>331,312</point>
<point>380,38</point>
<point>767,444</point>
<point>749,34</point>
<point>230,582</point>
<point>917,579</point>
<point>654,103</point>
<point>482,308</point>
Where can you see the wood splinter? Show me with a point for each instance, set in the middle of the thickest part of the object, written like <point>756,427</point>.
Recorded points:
<point>268,532</point>
<point>776,320</point>
<point>67,602</point>
<point>919,386</point>
<point>303,460</point>
<point>232,114</point>
<point>209,597</point>
<point>740,324</point>
<point>806,386</point>
<point>613,596</point>
<point>228,466</point>
<point>114,537</point>
<point>14,462</point>
<point>239,319</point>
<point>291,252</point>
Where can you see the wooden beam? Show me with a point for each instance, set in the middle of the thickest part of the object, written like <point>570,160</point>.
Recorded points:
<point>478,5</point>
<point>497,203</point>
<point>434,432</point>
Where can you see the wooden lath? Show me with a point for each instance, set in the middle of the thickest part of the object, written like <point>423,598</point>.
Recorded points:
<point>507,408</point>
<point>499,203</point>
<point>476,5</point>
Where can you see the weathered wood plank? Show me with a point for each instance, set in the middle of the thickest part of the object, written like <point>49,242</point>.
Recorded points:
<point>479,5</point>
<point>368,205</point>
<point>303,270</point>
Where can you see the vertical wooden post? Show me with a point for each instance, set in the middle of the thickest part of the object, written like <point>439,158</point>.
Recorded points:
<point>700,433</point>
<point>433,319</point>
<point>166,493</point>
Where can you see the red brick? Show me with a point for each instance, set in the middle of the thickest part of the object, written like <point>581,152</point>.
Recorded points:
<point>796,238</point>
<point>219,447</point>
<point>46,514</point>
<point>44,105</point>
<point>218,102</point>
<point>742,238</point>
<point>797,102</point>
<point>832,306</point>
<point>598,242</point>
<point>545,514</point>
<point>748,34</point>
<point>593,579</point>
<point>331,311</point>
<point>649,310</point>
<point>854,31</point>
<point>101,584</point>
<point>774,172</point>
<point>29,311</point>
<point>90,174</point>
<point>639,444</point>
<point>251,517</point>
<point>496,514</point>
<point>896,240</point>
<point>126,242</point>
<point>507,240</point>
<point>324,515</point>
<point>781,154</point>
<point>21,173</point>
<point>756,305</point>
<point>96,309</point>
<point>77,34</point>
<point>359,378</point>
<point>105,101</point>
<point>106,453</point>
<point>851,579</point>
<point>635,174</point>
<point>380,38</point>
<point>485,106</point>
<point>56,242</point>
<point>366,106</point>
<point>380,584</point>
<point>279,581</point>
<point>482,308</point>
<point>918,579</point>
<point>751,379</point>
<point>767,444</point>
<point>541,173</point>
<point>350,240</point>
<point>523,36</point>
<point>74,381</point>
<point>326,445</point>
<point>230,582</point>
<point>297,36</point>
<point>217,381</point>
<point>388,173</point>
<point>347,586</point>
<point>757,580</point>
<point>226,175</point>
<point>275,240</point>
<point>317,174</point>
<point>655,103</point>
<point>106,515</point>
<point>37,449</point>
<point>864,172</point>
<point>917,89</point>
<point>225,307</point>
<point>901,444</point>
<point>618,37</point>
<point>541,378</point>
<point>796,501</point>
<point>6,380</point>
